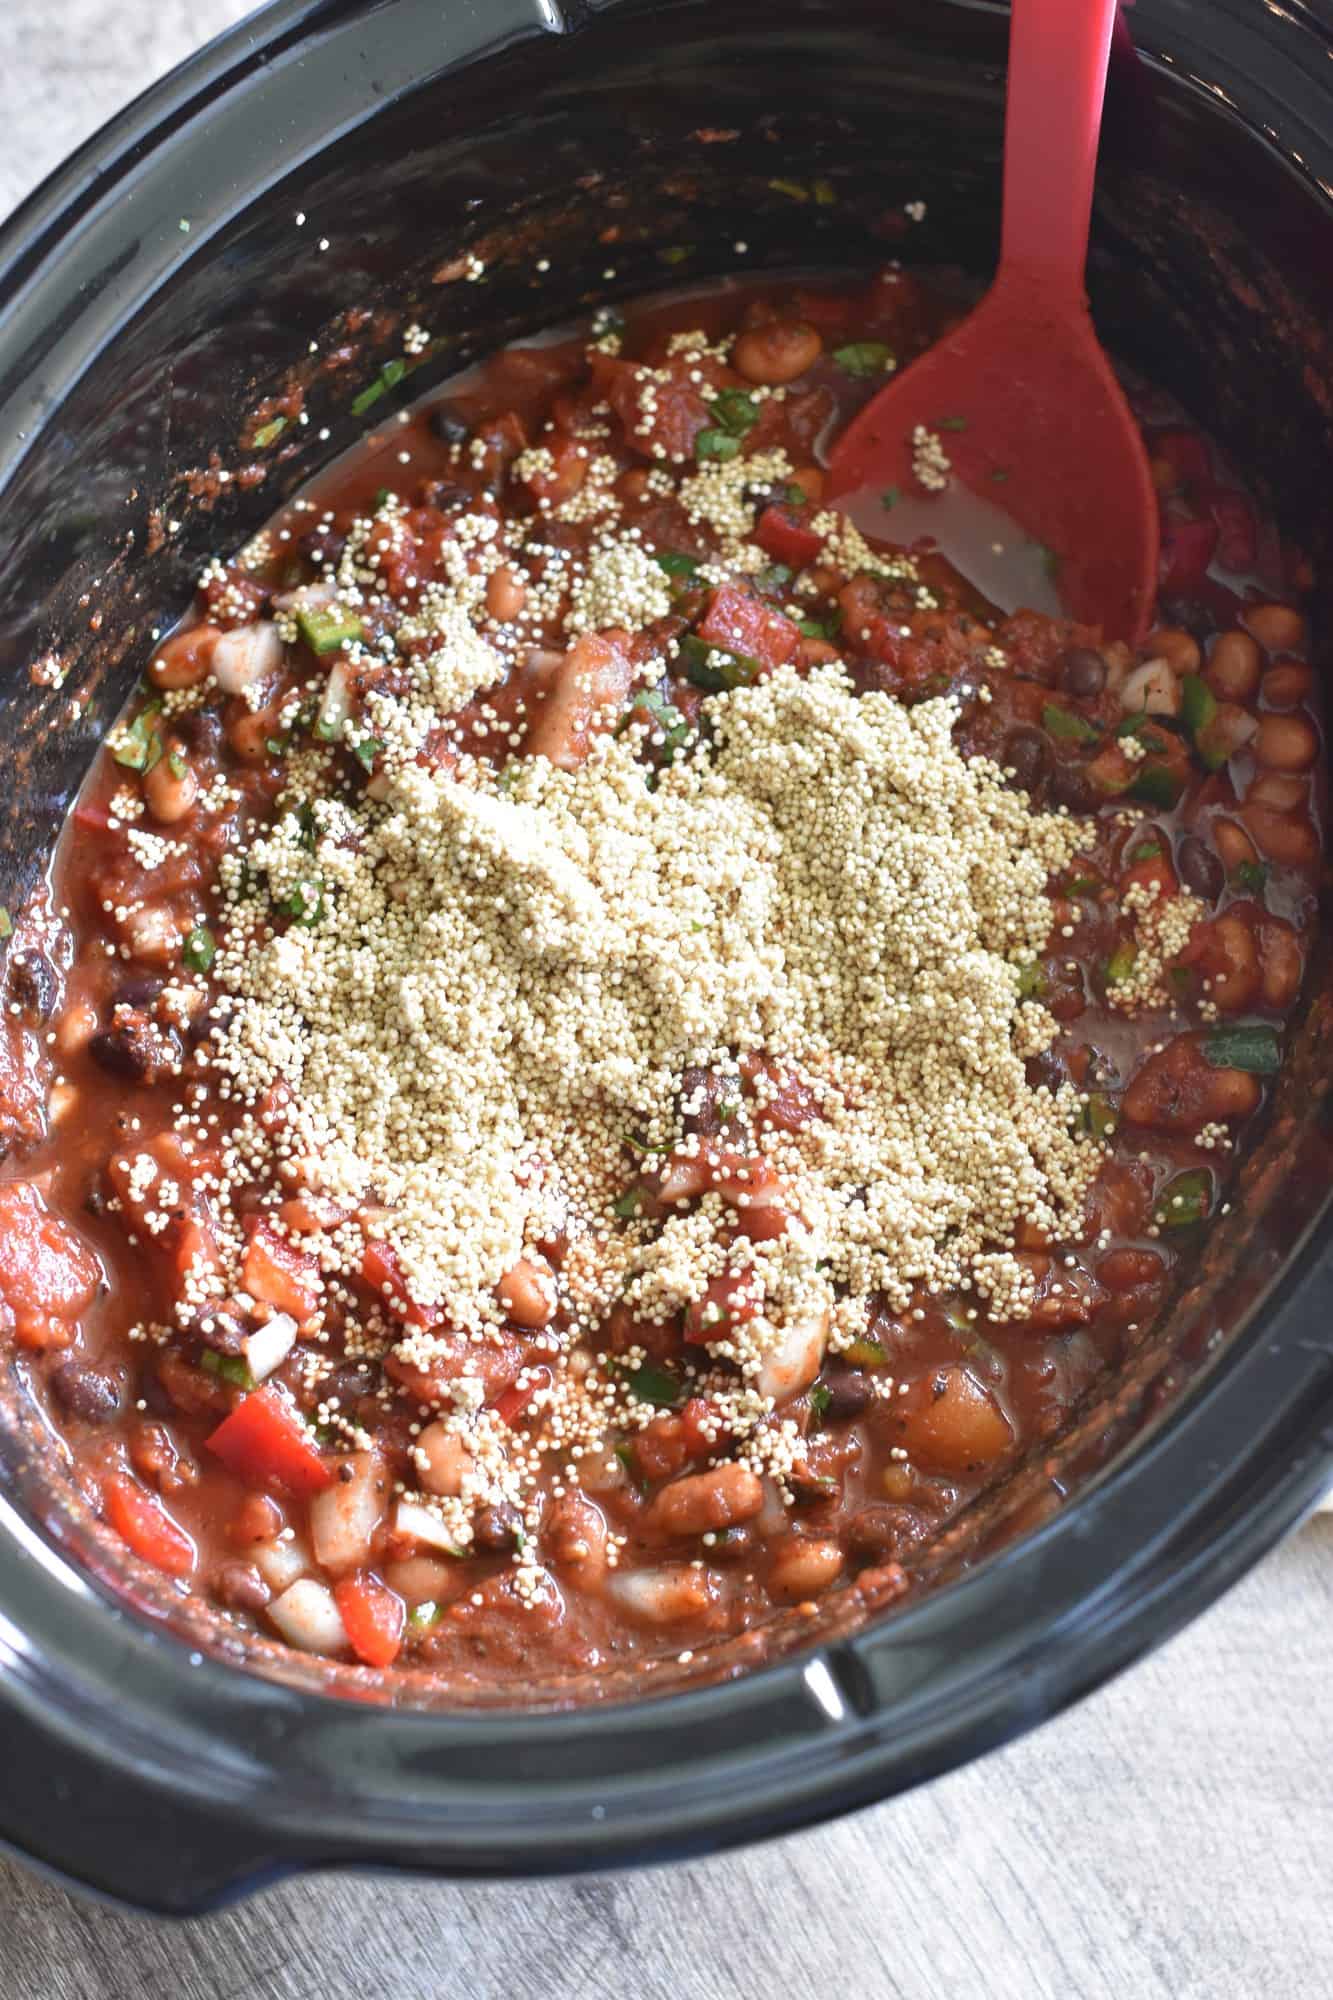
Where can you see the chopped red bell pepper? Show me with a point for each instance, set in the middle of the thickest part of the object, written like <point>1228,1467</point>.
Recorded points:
<point>1238,531</point>
<point>279,1272</point>
<point>511,1402</point>
<point>92,818</point>
<point>782,534</point>
<point>728,1301</point>
<point>373,1617</point>
<point>141,1520</point>
<point>380,1267</point>
<point>265,1443</point>
<point>740,622</point>
<point>1188,546</point>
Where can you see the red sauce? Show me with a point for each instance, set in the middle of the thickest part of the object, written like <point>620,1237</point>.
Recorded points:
<point>199,1470</point>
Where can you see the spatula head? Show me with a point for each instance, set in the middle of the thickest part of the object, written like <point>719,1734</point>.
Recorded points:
<point>1030,417</point>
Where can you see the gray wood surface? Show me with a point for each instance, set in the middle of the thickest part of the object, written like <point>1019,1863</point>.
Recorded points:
<point>1167,1840</point>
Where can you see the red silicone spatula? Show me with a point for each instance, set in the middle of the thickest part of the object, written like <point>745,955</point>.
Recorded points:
<point>1020,394</point>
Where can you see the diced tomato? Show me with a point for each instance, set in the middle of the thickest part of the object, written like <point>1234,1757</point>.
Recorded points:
<point>740,622</point>
<point>1238,531</point>
<point>587,695</point>
<point>279,1272</point>
<point>47,1275</point>
<point>728,1301</point>
<point>382,1271</point>
<point>1188,546</point>
<point>511,1403</point>
<point>141,1520</point>
<point>373,1617</point>
<point>92,818</point>
<point>783,535</point>
<point>569,469</point>
<point>675,412</point>
<point>265,1443</point>
<point>1156,869</point>
<point>451,1355</point>
<point>1185,455</point>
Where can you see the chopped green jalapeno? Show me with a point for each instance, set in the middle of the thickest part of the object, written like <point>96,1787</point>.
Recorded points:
<point>327,627</point>
<point>715,669</point>
<point>1100,1116</point>
<point>1198,703</point>
<point>1252,876</point>
<point>866,1353</point>
<point>1185,1199</point>
<point>630,1204</point>
<point>270,432</point>
<point>820,1398</point>
<point>1250,1045</point>
<point>1032,981</point>
<point>1121,962</point>
<point>367,750</point>
<point>1067,726</point>
<point>864,359</point>
<point>890,497</point>
<point>199,949</point>
<point>305,905</point>
<point>1146,850</point>
<point>230,1367</point>
<point>951,423</point>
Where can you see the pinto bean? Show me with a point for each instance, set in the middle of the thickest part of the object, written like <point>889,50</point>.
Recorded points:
<point>575,1532</point>
<point>506,594</point>
<point>1173,644</point>
<point>182,661</point>
<point>1277,627</point>
<point>777,352</point>
<point>527,1292</point>
<point>1282,963</point>
<point>1286,743</point>
<point>1200,870</point>
<point>443,1461</point>
<point>1177,1090</point>
<point>1123,1270</point>
<point>803,1566</point>
<point>1233,666</point>
<point>1289,839</point>
<point>1287,686</point>
<point>1233,845</point>
<point>170,788</point>
<point>1232,959</point>
<point>707,1500</point>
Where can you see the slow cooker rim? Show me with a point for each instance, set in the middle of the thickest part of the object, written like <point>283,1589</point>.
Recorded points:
<point>1179,1563</point>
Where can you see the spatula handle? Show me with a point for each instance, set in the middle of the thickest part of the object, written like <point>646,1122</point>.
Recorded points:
<point>1058,51</point>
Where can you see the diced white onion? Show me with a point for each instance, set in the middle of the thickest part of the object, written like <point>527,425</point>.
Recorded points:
<point>280,1561</point>
<point>242,657</point>
<point>794,1362</point>
<point>1151,689</point>
<point>336,706</point>
<point>269,1345</point>
<point>307,1616</point>
<point>659,1595</point>
<point>345,1515</point>
<point>421,1525</point>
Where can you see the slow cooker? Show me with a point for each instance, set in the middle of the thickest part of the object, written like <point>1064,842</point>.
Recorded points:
<point>266,220</point>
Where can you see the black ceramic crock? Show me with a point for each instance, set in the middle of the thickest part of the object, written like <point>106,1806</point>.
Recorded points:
<point>153,295</point>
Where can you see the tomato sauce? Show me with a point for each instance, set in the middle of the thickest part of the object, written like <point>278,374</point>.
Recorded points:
<point>1195,761</point>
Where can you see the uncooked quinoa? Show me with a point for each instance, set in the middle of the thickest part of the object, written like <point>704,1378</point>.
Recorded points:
<point>607,1049</point>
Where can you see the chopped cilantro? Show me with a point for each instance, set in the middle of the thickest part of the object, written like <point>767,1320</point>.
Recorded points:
<point>717,444</point>
<point>890,497</point>
<point>951,423</point>
<point>1250,1045</point>
<point>675,563</point>
<point>367,750</point>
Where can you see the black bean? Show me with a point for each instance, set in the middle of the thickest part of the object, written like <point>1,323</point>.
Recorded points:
<point>33,984</point>
<point>447,495</point>
<point>496,1530</point>
<point>448,426</point>
<point>1027,754</point>
<point>1083,671</point>
<point>847,1389</point>
<point>200,730</point>
<point>219,1328</point>
<point>1200,869</point>
<point>139,993</point>
<point>119,1051</point>
<point>1190,613</point>
<point>240,1586</point>
<point>321,545</point>
<point>882,1530</point>
<point>1073,789</point>
<point>85,1391</point>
